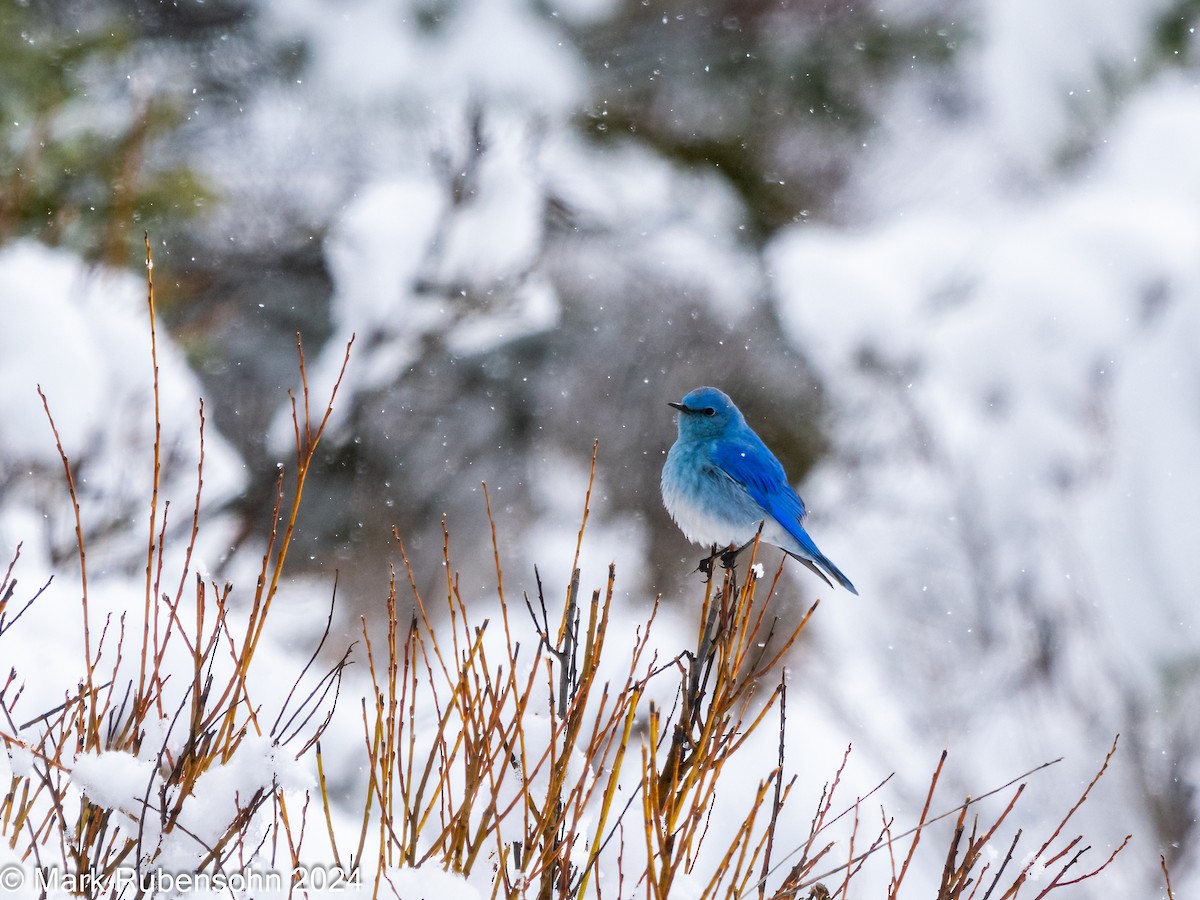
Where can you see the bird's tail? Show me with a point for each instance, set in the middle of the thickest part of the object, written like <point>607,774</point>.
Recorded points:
<point>822,564</point>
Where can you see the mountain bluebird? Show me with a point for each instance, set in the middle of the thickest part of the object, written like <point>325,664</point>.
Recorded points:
<point>720,482</point>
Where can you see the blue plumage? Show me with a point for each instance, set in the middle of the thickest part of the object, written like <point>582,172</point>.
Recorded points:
<point>721,481</point>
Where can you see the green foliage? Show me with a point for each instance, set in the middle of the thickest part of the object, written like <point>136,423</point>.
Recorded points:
<point>72,163</point>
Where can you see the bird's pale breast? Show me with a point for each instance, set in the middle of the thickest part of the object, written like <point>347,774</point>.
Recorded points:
<point>708,506</point>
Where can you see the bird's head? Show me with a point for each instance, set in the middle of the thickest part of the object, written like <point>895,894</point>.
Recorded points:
<point>706,412</point>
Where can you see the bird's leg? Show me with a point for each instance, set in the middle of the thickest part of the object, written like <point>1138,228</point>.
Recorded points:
<point>706,564</point>
<point>730,554</point>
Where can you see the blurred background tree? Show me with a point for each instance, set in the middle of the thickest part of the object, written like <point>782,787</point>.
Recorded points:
<point>78,156</point>
<point>143,116</point>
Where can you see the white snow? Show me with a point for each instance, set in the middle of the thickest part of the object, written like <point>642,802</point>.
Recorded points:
<point>84,339</point>
<point>1045,91</point>
<point>1006,340</point>
<point>114,779</point>
<point>428,882</point>
<point>491,50</point>
<point>1017,411</point>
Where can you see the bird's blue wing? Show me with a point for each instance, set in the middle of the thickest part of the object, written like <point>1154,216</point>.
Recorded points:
<point>748,462</point>
<point>754,467</point>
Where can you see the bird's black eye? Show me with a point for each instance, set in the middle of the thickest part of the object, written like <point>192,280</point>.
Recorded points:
<point>709,411</point>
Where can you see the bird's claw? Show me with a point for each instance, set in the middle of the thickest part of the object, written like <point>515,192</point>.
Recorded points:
<point>728,558</point>
<point>706,565</point>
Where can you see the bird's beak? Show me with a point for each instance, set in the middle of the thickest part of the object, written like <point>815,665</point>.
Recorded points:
<point>678,406</point>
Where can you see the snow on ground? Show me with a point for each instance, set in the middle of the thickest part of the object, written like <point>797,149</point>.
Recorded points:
<point>84,339</point>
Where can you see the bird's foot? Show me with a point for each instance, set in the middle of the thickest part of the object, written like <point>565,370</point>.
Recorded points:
<point>706,564</point>
<point>730,554</point>
<point>727,556</point>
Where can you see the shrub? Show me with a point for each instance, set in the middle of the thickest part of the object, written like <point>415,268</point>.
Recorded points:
<point>519,753</point>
